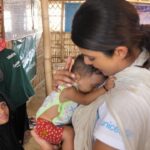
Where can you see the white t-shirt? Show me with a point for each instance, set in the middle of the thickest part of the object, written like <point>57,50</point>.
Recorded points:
<point>106,129</point>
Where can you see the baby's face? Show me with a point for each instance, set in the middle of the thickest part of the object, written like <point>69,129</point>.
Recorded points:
<point>4,113</point>
<point>89,82</point>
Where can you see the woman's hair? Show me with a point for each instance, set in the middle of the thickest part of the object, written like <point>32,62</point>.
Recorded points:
<point>83,69</point>
<point>103,25</point>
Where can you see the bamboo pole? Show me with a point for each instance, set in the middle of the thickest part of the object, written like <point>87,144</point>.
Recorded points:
<point>61,32</point>
<point>47,49</point>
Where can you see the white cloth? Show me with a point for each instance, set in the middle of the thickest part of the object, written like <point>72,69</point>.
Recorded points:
<point>128,104</point>
<point>107,130</point>
<point>126,110</point>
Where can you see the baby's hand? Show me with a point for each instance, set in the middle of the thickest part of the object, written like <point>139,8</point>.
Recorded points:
<point>110,83</point>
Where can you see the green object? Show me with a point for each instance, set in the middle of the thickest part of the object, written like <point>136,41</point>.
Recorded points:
<point>14,81</point>
<point>26,47</point>
<point>65,109</point>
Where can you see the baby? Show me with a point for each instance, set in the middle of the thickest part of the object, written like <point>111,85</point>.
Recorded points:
<point>54,116</point>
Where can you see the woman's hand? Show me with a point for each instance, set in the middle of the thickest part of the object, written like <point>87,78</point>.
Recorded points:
<point>43,144</point>
<point>64,76</point>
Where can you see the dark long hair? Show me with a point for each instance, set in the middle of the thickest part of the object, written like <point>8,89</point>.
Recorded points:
<point>103,25</point>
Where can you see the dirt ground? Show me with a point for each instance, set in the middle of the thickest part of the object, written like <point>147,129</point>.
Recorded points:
<point>32,106</point>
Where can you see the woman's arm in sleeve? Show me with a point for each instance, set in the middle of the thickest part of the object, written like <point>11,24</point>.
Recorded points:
<point>106,132</point>
<point>98,145</point>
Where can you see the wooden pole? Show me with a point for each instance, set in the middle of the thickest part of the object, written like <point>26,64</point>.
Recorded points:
<point>47,48</point>
<point>61,32</point>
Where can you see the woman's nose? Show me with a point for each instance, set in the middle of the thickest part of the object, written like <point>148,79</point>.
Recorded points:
<point>1,110</point>
<point>87,61</point>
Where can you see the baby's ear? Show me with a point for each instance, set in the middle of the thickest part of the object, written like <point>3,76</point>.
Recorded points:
<point>77,77</point>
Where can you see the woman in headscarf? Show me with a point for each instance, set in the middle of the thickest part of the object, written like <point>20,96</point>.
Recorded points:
<point>8,140</point>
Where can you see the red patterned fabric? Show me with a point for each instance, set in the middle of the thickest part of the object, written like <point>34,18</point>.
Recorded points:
<point>2,44</point>
<point>48,131</point>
